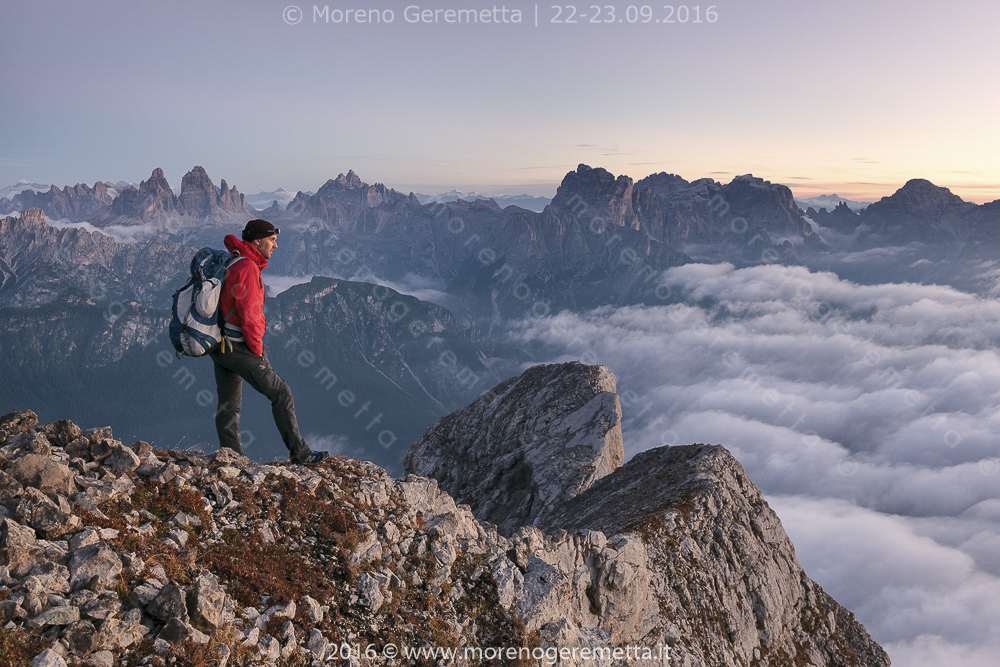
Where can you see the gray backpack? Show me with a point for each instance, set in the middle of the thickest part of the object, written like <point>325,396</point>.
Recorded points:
<point>195,325</point>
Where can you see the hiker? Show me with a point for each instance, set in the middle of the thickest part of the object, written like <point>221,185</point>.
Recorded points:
<point>241,306</point>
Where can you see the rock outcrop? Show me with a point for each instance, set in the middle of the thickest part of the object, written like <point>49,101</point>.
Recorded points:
<point>200,198</point>
<point>185,558</point>
<point>496,454</point>
<point>676,548</point>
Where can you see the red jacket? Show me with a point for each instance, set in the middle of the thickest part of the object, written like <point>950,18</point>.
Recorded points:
<point>242,300</point>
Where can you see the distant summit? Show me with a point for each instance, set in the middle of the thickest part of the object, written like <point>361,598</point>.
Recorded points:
<point>525,201</point>
<point>263,200</point>
<point>830,202</point>
<point>920,211</point>
<point>11,191</point>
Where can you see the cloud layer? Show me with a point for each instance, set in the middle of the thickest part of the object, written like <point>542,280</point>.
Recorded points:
<point>868,414</point>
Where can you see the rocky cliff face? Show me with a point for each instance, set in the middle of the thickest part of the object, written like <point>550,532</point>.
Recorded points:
<point>152,199</point>
<point>603,239</point>
<point>716,222</point>
<point>39,262</point>
<point>111,551</point>
<point>199,197</point>
<point>420,348</point>
<point>841,218</point>
<point>499,261</point>
<point>743,218</point>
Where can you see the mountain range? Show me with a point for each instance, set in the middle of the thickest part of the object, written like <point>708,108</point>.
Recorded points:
<point>602,240</point>
<point>657,220</point>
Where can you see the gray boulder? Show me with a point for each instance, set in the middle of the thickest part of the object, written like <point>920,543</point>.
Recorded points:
<point>208,601</point>
<point>95,566</point>
<point>97,435</point>
<point>100,659</point>
<point>60,433</point>
<point>63,615</point>
<point>170,603</point>
<point>47,518</point>
<point>176,630</point>
<point>9,487</point>
<point>369,593</point>
<point>145,593</point>
<point>118,633</point>
<point>13,423</point>
<point>28,442</point>
<point>48,658</point>
<point>18,550</point>
<point>53,577</point>
<point>121,459</point>
<point>79,637</point>
<point>41,472</point>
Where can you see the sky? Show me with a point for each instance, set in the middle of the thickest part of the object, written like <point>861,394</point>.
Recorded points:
<point>868,415</point>
<point>849,97</point>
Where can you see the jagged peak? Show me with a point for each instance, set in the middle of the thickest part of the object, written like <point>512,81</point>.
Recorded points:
<point>156,184</point>
<point>350,181</point>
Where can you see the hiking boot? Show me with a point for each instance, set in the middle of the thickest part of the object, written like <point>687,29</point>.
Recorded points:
<point>313,458</point>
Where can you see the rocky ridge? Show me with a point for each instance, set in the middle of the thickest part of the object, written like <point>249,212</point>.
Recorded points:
<point>677,547</point>
<point>73,203</point>
<point>120,554</point>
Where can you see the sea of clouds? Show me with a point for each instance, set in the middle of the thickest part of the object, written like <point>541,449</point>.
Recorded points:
<point>869,415</point>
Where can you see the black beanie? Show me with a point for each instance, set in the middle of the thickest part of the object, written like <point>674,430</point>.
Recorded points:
<point>258,229</point>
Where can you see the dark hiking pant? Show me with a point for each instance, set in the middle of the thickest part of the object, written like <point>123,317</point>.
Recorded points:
<point>231,369</point>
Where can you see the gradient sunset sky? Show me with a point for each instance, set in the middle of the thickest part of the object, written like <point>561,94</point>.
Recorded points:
<point>852,97</point>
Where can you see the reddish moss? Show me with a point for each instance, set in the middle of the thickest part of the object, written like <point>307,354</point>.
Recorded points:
<point>166,500</point>
<point>18,647</point>
<point>254,568</point>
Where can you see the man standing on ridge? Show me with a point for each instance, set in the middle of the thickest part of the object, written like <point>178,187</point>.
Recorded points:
<point>241,307</point>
